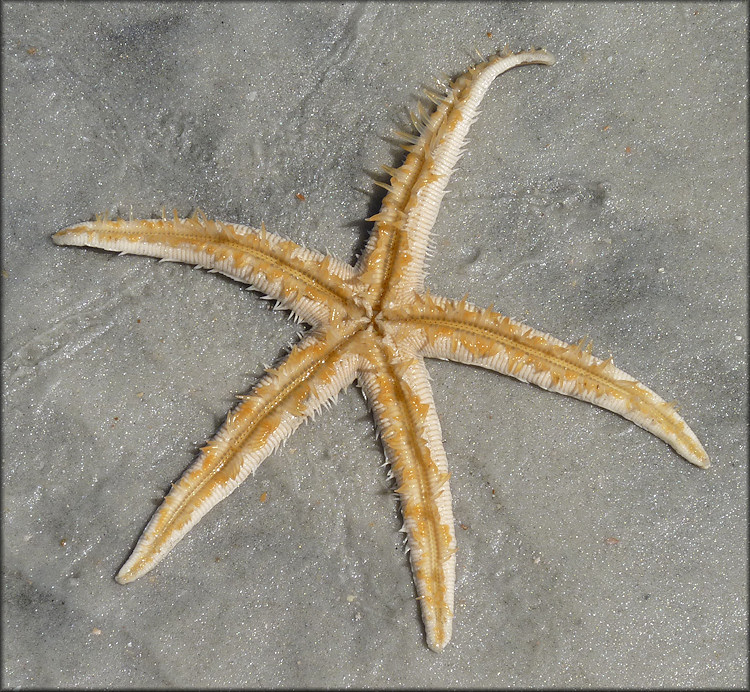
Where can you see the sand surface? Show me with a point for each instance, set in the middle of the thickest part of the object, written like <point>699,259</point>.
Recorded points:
<point>602,197</point>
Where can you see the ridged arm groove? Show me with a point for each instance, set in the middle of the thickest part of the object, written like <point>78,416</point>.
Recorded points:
<point>314,372</point>
<point>459,331</point>
<point>396,386</point>
<point>315,287</point>
<point>394,260</point>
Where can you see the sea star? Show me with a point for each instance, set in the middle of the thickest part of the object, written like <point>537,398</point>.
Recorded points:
<point>373,322</point>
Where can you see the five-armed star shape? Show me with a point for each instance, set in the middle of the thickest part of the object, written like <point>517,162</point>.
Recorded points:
<point>373,323</point>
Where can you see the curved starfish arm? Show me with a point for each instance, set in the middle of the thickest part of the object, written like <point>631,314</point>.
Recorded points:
<point>459,331</point>
<point>395,256</point>
<point>398,391</point>
<point>315,287</point>
<point>312,374</point>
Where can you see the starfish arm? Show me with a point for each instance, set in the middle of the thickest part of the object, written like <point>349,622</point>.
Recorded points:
<point>312,374</point>
<point>459,331</point>
<point>310,284</point>
<point>399,393</point>
<point>395,255</point>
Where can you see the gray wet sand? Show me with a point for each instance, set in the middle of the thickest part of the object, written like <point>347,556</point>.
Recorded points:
<point>602,197</point>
